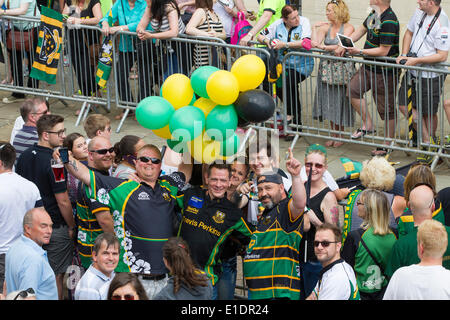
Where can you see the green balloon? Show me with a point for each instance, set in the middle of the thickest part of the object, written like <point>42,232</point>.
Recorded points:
<point>230,146</point>
<point>221,122</point>
<point>199,78</point>
<point>177,146</point>
<point>187,123</point>
<point>154,112</point>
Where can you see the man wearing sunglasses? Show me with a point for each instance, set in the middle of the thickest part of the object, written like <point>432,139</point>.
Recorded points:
<point>337,279</point>
<point>272,260</point>
<point>93,216</point>
<point>35,165</point>
<point>31,111</point>
<point>143,214</point>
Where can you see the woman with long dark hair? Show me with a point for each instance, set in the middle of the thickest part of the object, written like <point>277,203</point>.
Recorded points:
<point>126,150</point>
<point>165,22</point>
<point>187,282</point>
<point>83,44</point>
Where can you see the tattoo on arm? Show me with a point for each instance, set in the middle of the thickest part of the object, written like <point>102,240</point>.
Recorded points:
<point>334,215</point>
<point>74,165</point>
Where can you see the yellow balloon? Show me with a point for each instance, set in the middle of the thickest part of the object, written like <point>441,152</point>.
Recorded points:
<point>204,104</point>
<point>204,150</point>
<point>164,132</point>
<point>222,87</point>
<point>177,90</point>
<point>250,71</point>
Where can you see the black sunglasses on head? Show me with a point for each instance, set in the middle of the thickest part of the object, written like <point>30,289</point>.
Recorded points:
<point>147,159</point>
<point>103,151</point>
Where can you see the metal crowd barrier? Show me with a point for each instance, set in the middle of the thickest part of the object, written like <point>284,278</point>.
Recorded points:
<point>320,102</point>
<point>75,78</point>
<point>156,60</point>
<point>304,112</point>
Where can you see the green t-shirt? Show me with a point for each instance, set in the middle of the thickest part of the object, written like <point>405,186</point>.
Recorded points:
<point>273,6</point>
<point>406,221</point>
<point>404,253</point>
<point>369,276</point>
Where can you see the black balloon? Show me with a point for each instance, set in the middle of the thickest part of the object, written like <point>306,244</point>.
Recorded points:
<point>255,105</point>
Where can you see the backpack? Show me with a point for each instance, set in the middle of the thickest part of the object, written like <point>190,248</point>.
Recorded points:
<point>241,28</point>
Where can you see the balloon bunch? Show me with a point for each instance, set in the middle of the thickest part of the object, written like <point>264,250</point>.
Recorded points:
<point>200,115</point>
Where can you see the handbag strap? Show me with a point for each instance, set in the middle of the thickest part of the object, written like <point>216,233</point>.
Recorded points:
<point>373,258</point>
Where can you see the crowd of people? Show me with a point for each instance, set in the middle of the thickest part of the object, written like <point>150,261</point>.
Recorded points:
<point>132,223</point>
<point>120,229</point>
<point>340,89</point>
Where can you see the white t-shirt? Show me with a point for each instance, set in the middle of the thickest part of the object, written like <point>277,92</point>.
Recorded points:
<point>227,20</point>
<point>18,124</point>
<point>327,177</point>
<point>336,283</point>
<point>438,39</point>
<point>17,196</point>
<point>419,283</point>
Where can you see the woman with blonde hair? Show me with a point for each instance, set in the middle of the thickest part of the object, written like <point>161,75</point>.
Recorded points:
<point>377,173</point>
<point>331,102</point>
<point>368,248</point>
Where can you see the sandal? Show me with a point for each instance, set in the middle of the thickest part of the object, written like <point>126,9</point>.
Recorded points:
<point>337,144</point>
<point>329,143</point>
<point>361,133</point>
<point>381,152</point>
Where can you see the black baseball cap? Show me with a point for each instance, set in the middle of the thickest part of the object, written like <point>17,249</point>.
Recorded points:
<point>272,177</point>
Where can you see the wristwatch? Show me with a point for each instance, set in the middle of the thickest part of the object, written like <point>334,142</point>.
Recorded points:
<point>287,45</point>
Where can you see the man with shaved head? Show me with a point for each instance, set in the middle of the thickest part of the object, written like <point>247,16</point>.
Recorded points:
<point>93,217</point>
<point>404,252</point>
<point>27,264</point>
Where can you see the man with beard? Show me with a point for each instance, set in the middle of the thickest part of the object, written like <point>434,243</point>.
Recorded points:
<point>337,279</point>
<point>93,217</point>
<point>271,265</point>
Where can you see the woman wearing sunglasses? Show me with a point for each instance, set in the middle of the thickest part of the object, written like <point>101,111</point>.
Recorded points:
<point>126,286</point>
<point>368,248</point>
<point>126,150</point>
<point>322,207</point>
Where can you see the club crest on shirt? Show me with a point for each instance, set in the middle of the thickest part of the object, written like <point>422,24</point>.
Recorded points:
<point>166,196</point>
<point>219,217</point>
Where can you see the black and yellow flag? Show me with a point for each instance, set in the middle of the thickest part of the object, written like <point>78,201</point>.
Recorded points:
<point>105,61</point>
<point>46,58</point>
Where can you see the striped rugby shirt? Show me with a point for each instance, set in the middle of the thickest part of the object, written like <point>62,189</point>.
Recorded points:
<point>271,264</point>
<point>25,138</point>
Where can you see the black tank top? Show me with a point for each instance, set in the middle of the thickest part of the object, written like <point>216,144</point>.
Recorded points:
<point>308,238</point>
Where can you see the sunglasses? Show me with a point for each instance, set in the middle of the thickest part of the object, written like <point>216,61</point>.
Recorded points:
<point>324,244</point>
<point>359,203</point>
<point>148,159</point>
<point>103,151</point>
<point>25,293</point>
<point>124,297</point>
<point>317,165</point>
